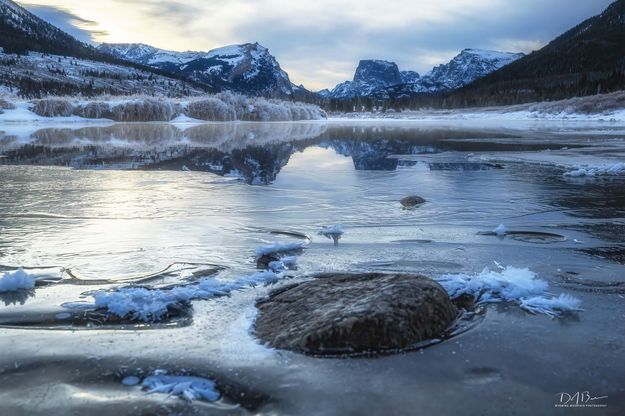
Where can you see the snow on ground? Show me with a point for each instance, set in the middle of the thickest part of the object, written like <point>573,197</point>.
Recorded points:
<point>602,107</point>
<point>17,280</point>
<point>510,284</point>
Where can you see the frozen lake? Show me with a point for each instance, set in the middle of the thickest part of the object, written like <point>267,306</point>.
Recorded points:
<point>97,207</point>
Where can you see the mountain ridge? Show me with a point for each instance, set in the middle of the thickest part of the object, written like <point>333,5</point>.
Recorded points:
<point>246,68</point>
<point>384,76</point>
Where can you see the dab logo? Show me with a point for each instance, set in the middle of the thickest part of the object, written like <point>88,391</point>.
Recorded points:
<point>579,399</point>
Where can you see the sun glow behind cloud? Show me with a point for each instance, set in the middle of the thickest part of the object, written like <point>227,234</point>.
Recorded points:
<point>320,42</point>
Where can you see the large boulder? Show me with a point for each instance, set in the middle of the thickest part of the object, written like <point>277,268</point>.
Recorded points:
<point>352,313</point>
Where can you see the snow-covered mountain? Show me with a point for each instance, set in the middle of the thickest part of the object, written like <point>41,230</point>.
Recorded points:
<point>466,67</point>
<point>38,59</point>
<point>377,78</point>
<point>248,68</point>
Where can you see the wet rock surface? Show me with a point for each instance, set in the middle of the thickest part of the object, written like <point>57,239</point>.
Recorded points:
<point>353,313</point>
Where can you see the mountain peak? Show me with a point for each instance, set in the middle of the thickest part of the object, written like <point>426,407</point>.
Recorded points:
<point>374,75</point>
<point>248,68</point>
<point>379,72</point>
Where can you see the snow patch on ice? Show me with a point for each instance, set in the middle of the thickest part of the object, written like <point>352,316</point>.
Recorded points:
<point>13,281</point>
<point>152,304</point>
<point>277,247</point>
<point>187,387</point>
<point>285,263</point>
<point>597,170</point>
<point>509,284</point>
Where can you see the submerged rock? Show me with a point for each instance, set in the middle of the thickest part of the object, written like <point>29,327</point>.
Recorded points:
<point>351,313</point>
<point>411,201</point>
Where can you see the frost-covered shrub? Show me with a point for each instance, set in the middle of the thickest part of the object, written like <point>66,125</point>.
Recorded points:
<point>263,110</point>
<point>211,109</point>
<point>6,104</point>
<point>53,107</point>
<point>240,103</point>
<point>145,110</point>
<point>96,109</point>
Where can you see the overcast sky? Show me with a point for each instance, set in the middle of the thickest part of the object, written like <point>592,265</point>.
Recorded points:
<point>319,42</point>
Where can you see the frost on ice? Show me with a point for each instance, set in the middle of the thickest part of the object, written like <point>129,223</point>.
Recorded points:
<point>13,281</point>
<point>551,306</point>
<point>186,387</point>
<point>334,232</point>
<point>510,284</point>
<point>153,304</point>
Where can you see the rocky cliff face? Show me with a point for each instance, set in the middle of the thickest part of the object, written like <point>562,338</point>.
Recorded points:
<point>370,76</point>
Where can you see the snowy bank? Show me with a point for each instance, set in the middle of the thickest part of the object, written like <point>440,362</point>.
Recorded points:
<point>602,107</point>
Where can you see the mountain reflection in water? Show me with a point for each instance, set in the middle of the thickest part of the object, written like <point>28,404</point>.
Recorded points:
<point>254,152</point>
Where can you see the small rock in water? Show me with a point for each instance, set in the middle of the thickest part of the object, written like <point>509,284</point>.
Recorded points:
<point>350,313</point>
<point>411,201</point>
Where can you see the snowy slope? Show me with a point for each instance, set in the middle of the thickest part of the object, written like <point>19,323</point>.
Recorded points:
<point>247,68</point>
<point>463,69</point>
<point>38,74</point>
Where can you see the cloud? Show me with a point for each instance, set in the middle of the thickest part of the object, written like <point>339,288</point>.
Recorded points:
<point>82,29</point>
<point>319,43</point>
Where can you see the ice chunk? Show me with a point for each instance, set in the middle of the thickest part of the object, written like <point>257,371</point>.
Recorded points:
<point>285,263</point>
<point>510,284</point>
<point>13,281</point>
<point>598,170</point>
<point>500,230</point>
<point>187,387</point>
<point>333,232</point>
<point>551,306</point>
<point>276,247</point>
